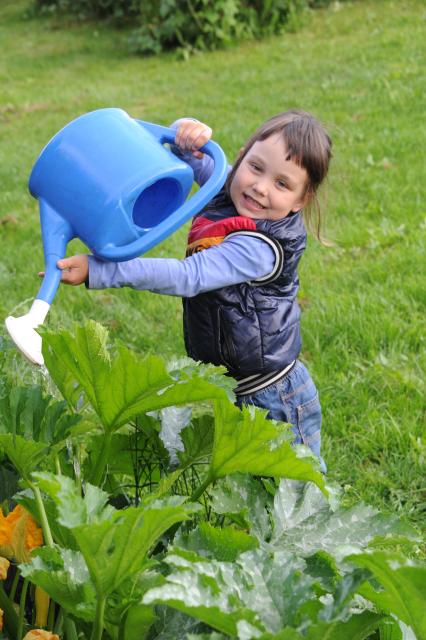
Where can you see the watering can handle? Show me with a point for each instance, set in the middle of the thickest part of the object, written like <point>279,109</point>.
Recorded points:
<point>188,209</point>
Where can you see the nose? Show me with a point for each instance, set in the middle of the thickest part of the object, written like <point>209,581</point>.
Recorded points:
<point>260,186</point>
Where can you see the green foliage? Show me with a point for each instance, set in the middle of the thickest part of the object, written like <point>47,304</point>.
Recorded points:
<point>305,522</point>
<point>246,441</point>
<point>222,544</point>
<point>259,592</point>
<point>83,363</point>
<point>32,427</point>
<point>119,386</point>
<point>188,25</point>
<point>114,544</point>
<point>403,586</point>
<point>63,574</point>
<point>104,9</point>
<point>272,554</point>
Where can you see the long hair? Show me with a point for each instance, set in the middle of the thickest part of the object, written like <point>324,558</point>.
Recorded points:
<point>308,145</point>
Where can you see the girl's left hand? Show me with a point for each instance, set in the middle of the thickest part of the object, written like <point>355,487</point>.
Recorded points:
<point>75,270</point>
<point>192,135</point>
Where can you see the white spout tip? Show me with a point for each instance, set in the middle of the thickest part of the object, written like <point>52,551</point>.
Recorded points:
<point>26,339</point>
<point>22,332</point>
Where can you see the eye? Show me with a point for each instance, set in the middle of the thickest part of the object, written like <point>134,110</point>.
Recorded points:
<point>255,166</point>
<point>281,184</point>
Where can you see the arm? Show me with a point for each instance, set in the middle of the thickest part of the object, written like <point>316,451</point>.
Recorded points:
<point>238,259</point>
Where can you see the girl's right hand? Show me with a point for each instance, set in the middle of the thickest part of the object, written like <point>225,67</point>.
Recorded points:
<point>191,135</point>
<point>75,270</point>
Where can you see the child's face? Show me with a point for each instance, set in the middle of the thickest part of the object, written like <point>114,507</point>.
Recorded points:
<point>266,186</point>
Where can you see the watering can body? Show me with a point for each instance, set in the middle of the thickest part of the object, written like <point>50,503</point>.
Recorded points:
<point>107,179</point>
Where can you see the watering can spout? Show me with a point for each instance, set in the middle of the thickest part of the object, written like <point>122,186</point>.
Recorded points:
<point>56,233</point>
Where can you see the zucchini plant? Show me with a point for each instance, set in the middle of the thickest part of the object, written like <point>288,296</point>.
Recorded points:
<point>233,533</point>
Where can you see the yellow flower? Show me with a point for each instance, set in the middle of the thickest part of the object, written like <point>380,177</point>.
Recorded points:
<point>19,534</point>
<point>38,634</point>
<point>42,602</point>
<point>4,566</point>
<point>5,536</point>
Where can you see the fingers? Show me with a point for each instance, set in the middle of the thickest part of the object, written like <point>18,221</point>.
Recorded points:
<point>74,269</point>
<point>191,136</point>
<point>70,268</point>
<point>69,263</point>
<point>71,277</point>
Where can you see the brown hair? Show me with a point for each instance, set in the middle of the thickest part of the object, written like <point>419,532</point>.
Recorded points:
<point>308,145</point>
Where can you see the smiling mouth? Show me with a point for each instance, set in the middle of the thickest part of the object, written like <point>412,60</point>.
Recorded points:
<point>252,203</point>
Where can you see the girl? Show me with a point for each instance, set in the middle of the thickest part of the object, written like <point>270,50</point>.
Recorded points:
<point>239,279</point>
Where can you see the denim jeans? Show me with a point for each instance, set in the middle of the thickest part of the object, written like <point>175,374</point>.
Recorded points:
<point>293,399</point>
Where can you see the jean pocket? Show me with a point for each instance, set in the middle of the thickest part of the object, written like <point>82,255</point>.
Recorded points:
<point>309,423</point>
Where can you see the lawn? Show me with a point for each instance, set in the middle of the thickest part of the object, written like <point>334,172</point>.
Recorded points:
<point>358,66</point>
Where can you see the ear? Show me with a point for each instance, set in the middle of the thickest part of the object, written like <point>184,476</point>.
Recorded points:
<point>300,205</point>
<point>240,153</point>
<point>304,200</point>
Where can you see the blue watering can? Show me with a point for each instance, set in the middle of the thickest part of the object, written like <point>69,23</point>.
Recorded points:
<point>107,179</point>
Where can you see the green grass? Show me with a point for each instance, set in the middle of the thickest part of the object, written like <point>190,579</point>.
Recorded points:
<point>358,66</point>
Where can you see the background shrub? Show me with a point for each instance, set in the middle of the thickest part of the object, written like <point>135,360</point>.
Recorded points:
<point>116,10</point>
<point>187,25</point>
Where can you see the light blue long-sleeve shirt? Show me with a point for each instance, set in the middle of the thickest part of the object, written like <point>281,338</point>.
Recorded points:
<point>237,259</point>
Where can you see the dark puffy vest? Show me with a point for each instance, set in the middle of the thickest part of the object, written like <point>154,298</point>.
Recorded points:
<point>253,327</point>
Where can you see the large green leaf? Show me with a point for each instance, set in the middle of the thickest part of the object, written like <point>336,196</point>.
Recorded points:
<point>404,587</point>
<point>256,592</point>
<point>246,501</point>
<point>113,543</point>
<point>124,609</point>
<point>72,508</point>
<point>117,549</point>
<point>8,480</point>
<point>25,455</point>
<point>389,629</point>
<point>138,621</point>
<point>197,439</point>
<point>357,627</point>
<point>31,426</point>
<point>60,534</point>
<point>63,574</point>
<point>172,624</point>
<point>121,385</point>
<point>259,592</point>
<point>221,544</point>
<point>304,522</point>
<point>300,519</point>
<point>27,412</point>
<point>245,441</point>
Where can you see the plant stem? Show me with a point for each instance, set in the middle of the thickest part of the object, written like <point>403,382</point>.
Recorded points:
<point>22,609</point>
<point>203,486</point>
<point>47,534</point>
<point>69,628</point>
<point>98,625</point>
<point>58,465</point>
<point>59,622</point>
<point>10,617</point>
<point>102,461</point>
<point>51,617</point>
<point>14,586</point>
